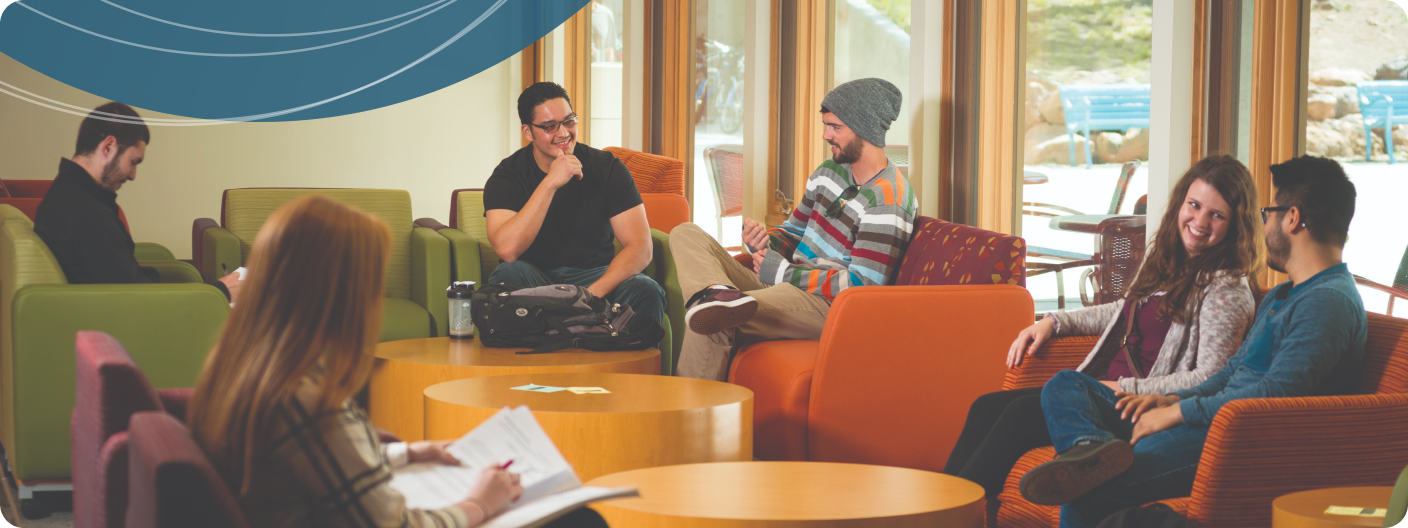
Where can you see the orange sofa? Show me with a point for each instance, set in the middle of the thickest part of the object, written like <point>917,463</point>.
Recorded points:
<point>896,368</point>
<point>1261,448</point>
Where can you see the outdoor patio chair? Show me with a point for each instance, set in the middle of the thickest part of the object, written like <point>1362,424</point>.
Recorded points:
<point>1069,259</point>
<point>1399,289</point>
<point>724,163</point>
<point>1102,107</point>
<point>1121,243</point>
<point>1383,104</point>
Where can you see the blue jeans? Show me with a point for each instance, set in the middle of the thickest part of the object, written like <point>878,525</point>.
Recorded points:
<point>1078,407</point>
<point>640,292</point>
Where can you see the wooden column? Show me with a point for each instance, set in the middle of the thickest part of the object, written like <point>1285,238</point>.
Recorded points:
<point>1002,65</point>
<point>1279,64</point>
<point>810,60</point>
<point>677,93</point>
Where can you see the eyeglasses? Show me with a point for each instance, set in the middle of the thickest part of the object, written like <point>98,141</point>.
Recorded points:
<point>551,128</point>
<point>834,209</point>
<point>1266,211</point>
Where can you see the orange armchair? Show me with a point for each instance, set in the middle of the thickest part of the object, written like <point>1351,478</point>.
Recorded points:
<point>896,368</point>
<point>1261,448</point>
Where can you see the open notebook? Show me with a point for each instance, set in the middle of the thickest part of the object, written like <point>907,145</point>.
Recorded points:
<point>550,486</point>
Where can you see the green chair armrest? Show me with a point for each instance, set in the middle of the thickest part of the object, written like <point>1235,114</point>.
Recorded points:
<point>152,251</point>
<point>430,276</point>
<point>466,260</point>
<point>168,329</point>
<point>668,277</point>
<point>174,271</point>
<point>220,253</point>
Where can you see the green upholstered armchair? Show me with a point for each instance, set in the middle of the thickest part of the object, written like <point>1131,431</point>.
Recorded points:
<point>416,279</point>
<point>474,258</point>
<point>169,328</point>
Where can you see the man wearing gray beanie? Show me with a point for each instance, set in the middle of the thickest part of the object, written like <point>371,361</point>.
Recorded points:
<point>849,229</point>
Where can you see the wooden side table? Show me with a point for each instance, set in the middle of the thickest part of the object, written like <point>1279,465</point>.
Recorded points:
<point>405,368</point>
<point>646,420</point>
<point>791,494</point>
<point>1306,509</point>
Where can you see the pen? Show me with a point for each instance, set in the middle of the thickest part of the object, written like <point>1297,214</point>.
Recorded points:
<point>506,464</point>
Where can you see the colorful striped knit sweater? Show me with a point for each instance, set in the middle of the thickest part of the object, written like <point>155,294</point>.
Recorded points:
<point>862,246</point>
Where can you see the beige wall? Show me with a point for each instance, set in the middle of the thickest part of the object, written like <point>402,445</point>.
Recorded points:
<point>429,146</point>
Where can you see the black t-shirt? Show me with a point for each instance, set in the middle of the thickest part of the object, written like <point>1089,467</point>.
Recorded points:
<point>576,231</point>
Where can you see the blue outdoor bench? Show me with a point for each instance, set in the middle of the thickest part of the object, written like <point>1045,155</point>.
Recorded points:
<point>1102,107</point>
<point>1383,105</point>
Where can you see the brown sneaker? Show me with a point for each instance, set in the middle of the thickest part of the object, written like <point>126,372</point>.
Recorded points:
<point>718,308</point>
<point>1077,471</point>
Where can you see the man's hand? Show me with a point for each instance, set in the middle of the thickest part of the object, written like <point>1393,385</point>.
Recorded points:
<point>431,451</point>
<point>754,235</point>
<point>1157,420</point>
<point>232,283</point>
<point>758,259</point>
<point>1135,405</point>
<point>563,169</point>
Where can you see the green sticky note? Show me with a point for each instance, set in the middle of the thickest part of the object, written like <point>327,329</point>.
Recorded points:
<point>531,387</point>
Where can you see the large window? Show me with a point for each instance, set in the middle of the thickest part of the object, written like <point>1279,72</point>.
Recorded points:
<point>870,38</point>
<point>604,51</point>
<point>718,118</point>
<point>1081,54</point>
<point>1357,48</point>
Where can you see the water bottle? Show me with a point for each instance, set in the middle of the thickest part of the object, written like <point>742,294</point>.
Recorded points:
<point>461,324</point>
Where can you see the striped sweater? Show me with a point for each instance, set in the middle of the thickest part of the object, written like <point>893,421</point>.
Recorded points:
<point>861,246</point>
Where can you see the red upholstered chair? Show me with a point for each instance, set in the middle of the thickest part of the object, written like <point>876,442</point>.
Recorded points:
<point>110,388</point>
<point>1261,448</point>
<point>25,195</point>
<point>896,368</point>
<point>172,483</point>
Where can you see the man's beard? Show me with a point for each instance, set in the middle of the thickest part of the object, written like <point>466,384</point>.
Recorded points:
<point>111,180</point>
<point>1278,250</point>
<point>850,153</point>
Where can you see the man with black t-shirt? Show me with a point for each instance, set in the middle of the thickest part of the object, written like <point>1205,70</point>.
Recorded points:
<point>553,207</point>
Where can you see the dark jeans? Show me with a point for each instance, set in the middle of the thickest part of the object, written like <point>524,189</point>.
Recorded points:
<point>640,292</point>
<point>1001,427</point>
<point>1079,408</point>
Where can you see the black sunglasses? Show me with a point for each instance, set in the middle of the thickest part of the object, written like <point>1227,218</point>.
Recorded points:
<point>834,208</point>
<point>1266,211</point>
<point>552,127</point>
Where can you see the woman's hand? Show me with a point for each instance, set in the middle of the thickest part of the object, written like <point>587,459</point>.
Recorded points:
<point>1035,335</point>
<point>492,491</point>
<point>431,451</point>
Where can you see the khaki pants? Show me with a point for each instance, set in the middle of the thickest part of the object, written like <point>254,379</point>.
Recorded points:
<point>784,311</point>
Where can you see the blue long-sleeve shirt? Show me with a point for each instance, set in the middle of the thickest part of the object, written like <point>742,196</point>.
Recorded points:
<point>1307,339</point>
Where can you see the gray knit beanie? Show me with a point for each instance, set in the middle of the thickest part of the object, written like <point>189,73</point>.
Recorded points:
<point>868,106</point>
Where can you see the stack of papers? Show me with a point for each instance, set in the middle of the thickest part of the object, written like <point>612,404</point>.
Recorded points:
<point>550,486</point>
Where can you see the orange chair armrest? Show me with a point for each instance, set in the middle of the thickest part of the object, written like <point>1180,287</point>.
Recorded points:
<point>1058,354</point>
<point>1261,448</point>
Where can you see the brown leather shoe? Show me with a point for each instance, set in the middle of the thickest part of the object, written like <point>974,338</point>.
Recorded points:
<point>718,308</point>
<point>1077,471</point>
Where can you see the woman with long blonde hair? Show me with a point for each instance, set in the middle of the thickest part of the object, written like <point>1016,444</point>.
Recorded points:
<point>272,408</point>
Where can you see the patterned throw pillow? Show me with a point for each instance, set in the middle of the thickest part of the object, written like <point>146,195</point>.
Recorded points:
<point>945,253</point>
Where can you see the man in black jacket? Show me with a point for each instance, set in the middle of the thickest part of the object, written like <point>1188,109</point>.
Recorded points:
<point>78,218</point>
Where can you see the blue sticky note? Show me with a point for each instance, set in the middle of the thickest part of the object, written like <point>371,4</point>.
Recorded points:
<point>531,387</point>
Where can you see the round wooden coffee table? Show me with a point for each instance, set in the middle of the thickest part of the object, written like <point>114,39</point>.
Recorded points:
<point>1306,509</point>
<point>405,368</point>
<point>791,494</point>
<point>645,421</point>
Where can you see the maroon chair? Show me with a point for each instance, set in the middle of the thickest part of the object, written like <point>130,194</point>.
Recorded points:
<point>172,484</point>
<point>110,388</point>
<point>1121,242</point>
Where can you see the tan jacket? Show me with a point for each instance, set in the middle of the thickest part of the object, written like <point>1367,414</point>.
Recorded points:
<point>1220,315</point>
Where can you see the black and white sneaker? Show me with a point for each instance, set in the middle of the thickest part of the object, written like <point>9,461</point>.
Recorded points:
<point>718,308</point>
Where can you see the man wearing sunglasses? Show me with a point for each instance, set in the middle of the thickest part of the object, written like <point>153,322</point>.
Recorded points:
<point>553,207</point>
<point>1119,450</point>
<point>849,229</point>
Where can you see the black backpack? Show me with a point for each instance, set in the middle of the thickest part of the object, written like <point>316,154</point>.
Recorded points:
<point>556,317</point>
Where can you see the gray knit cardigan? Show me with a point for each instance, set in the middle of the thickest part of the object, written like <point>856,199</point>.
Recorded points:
<point>1220,314</point>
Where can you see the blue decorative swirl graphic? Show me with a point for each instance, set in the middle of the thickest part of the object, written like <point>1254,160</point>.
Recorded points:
<point>218,62</point>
